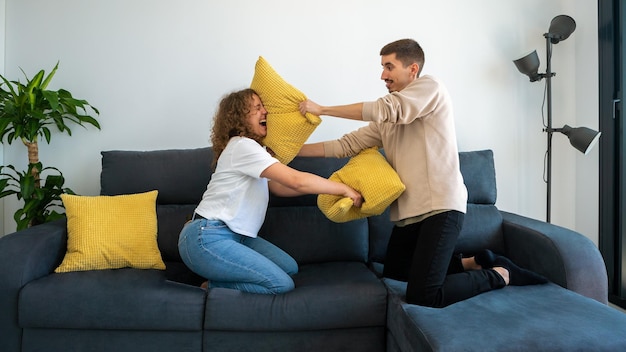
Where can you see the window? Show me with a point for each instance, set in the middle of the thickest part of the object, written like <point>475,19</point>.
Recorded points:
<point>612,241</point>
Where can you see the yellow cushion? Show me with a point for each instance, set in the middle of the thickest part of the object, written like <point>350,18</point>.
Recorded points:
<point>287,129</point>
<point>111,232</point>
<point>371,175</point>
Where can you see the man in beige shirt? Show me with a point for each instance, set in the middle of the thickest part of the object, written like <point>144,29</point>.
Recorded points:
<point>414,124</point>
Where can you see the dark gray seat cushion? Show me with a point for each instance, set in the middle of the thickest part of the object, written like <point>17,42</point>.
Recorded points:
<point>129,299</point>
<point>332,295</point>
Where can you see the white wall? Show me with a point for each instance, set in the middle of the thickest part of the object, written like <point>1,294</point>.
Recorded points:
<point>156,69</point>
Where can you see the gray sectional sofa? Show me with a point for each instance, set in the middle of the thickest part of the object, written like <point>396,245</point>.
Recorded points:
<point>340,302</point>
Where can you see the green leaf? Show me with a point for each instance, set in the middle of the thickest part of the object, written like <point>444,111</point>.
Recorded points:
<point>10,86</point>
<point>27,186</point>
<point>44,85</point>
<point>32,86</point>
<point>52,98</point>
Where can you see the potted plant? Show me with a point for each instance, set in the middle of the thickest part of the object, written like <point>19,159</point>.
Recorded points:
<point>28,112</point>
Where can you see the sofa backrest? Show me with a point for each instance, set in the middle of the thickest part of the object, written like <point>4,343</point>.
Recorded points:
<point>298,226</point>
<point>295,224</point>
<point>483,222</point>
<point>180,176</point>
<point>482,227</point>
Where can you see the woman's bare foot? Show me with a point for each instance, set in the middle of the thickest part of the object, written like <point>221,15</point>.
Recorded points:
<point>205,285</point>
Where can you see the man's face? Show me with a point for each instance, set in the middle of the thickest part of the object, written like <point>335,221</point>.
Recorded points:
<point>395,75</point>
<point>257,117</point>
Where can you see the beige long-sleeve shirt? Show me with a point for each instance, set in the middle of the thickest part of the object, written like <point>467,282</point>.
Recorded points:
<point>415,126</point>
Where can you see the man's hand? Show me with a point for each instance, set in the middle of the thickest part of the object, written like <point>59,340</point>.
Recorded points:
<point>352,111</point>
<point>310,106</point>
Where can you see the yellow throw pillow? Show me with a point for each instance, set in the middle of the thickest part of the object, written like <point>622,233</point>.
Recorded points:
<point>370,174</point>
<point>287,129</point>
<point>111,232</point>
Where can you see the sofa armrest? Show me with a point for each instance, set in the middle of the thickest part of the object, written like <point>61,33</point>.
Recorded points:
<point>566,257</point>
<point>26,256</point>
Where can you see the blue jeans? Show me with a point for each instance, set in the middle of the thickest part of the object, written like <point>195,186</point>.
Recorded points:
<point>227,259</point>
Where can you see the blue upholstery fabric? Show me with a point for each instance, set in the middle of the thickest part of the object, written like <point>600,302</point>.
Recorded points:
<point>379,230</point>
<point>515,318</point>
<point>566,257</point>
<point>369,339</point>
<point>479,175</point>
<point>26,256</point>
<point>313,305</point>
<point>309,237</point>
<point>483,223</point>
<point>482,228</point>
<point>70,340</point>
<point>180,175</point>
<point>170,220</point>
<point>128,299</point>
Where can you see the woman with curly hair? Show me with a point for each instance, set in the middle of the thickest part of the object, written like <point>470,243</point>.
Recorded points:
<point>221,243</point>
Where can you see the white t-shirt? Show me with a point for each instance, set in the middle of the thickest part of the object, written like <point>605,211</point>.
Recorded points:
<point>236,194</point>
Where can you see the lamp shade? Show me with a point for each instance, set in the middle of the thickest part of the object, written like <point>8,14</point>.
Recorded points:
<point>581,138</point>
<point>529,65</point>
<point>560,28</point>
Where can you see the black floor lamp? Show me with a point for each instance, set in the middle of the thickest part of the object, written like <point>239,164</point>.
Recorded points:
<point>581,138</point>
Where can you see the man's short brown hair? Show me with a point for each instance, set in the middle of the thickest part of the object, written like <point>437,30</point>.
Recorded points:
<point>407,51</point>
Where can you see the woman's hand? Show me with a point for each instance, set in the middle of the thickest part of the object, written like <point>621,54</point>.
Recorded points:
<point>357,198</point>
<point>310,106</point>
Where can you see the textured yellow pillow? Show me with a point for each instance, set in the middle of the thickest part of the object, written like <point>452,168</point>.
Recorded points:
<point>371,175</point>
<point>111,232</point>
<point>287,129</point>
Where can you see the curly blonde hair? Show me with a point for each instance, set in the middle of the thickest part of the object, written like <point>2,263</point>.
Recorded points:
<point>230,120</point>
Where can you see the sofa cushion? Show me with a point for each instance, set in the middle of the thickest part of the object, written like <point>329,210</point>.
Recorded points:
<point>379,228</point>
<point>309,237</point>
<point>515,318</point>
<point>111,232</point>
<point>287,128</point>
<point>180,176</point>
<point>129,299</point>
<point>482,228</point>
<point>171,219</point>
<point>479,175</point>
<point>320,166</point>
<point>332,295</point>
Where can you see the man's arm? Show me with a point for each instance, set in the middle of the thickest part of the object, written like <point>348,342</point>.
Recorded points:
<point>352,111</point>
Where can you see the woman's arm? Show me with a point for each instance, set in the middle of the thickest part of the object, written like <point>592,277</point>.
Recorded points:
<point>288,182</point>
<point>312,150</point>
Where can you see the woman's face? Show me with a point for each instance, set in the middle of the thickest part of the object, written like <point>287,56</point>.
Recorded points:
<point>257,117</point>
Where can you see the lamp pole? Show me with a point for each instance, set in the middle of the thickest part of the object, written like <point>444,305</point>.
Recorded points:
<point>548,129</point>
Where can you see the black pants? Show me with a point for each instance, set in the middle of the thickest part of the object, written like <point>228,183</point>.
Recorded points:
<point>422,254</point>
